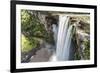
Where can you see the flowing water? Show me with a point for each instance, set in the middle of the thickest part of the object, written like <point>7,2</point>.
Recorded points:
<point>64,39</point>
<point>55,31</point>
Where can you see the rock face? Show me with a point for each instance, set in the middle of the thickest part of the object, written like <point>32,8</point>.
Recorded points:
<point>42,55</point>
<point>74,42</point>
<point>82,36</point>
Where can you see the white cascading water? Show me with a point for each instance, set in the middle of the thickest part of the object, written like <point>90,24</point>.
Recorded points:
<point>63,39</point>
<point>67,46</point>
<point>55,31</point>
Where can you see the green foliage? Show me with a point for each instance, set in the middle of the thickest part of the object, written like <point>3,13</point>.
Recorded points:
<point>26,44</point>
<point>87,50</point>
<point>31,26</point>
<point>77,56</point>
<point>32,30</point>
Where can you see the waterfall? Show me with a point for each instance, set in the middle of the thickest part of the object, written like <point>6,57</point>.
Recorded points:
<point>64,38</point>
<point>68,43</point>
<point>55,31</point>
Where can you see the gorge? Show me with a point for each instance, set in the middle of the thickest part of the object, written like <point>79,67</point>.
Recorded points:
<point>55,37</point>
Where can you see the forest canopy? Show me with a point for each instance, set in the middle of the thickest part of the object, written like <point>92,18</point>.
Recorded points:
<point>32,30</point>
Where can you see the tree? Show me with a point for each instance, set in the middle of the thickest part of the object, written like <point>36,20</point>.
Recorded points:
<point>32,29</point>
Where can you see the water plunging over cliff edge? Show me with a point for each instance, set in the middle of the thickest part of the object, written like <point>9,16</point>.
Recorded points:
<point>64,45</point>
